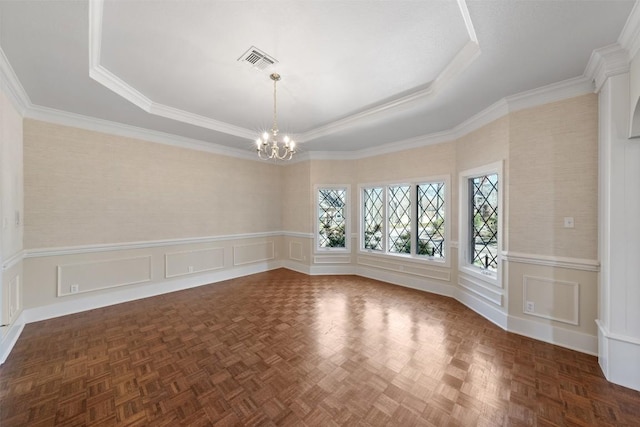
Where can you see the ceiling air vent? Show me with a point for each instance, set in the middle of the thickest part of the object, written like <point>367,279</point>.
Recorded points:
<point>257,58</point>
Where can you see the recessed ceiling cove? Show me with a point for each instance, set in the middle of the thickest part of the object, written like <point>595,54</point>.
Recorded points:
<point>341,62</point>
<point>363,76</point>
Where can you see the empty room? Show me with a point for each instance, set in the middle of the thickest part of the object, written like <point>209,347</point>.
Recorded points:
<point>320,213</point>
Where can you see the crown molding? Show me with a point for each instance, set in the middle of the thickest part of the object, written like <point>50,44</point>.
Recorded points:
<point>550,93</point>
<point>64,118</point>
<point>469,52</point>
<point>12,87</point>
<point>565,89</point>
<point>630,34</point>
<point>111,81</point>
<point>607,62</point>
<point>532,98</point>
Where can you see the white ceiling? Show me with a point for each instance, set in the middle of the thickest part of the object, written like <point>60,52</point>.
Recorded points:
<point>355,74</point>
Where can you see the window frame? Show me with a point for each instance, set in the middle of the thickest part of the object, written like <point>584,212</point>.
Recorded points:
<point>464,228</point>
<point>445,260</point>
<point>347,225</point>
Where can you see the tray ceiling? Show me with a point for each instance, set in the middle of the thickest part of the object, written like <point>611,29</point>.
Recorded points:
<point>355,74</point>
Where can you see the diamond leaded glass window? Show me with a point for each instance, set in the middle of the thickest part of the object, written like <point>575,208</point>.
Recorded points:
<point>373,217</point>
<point>332,217</point>
<point>399,233</point>
<point>483,205</point>
<point>431,220</point>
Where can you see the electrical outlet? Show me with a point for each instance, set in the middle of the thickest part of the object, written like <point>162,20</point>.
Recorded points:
<point>530,307</point>
<point>190,268</point>
<point>75,288</point>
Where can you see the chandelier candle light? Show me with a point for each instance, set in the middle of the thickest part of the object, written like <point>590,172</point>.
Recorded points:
<point>268,146</point>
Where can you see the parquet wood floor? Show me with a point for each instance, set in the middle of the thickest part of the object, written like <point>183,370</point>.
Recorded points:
<point>283,348</point>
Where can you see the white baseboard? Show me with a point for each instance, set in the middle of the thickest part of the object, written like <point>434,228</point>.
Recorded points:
<point>11,337</point>
<point>562,337</point>
<point>408,281</point>
<point>533,329</point>
<point>483,307</point>
<point>90,302</point>
<point>328,270</point>
<point>619,357</point>
<point>296,266</point>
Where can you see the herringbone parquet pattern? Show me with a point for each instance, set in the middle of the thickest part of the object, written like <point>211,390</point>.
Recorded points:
<point>282,348</point>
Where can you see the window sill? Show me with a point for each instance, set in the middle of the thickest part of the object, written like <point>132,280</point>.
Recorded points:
<point>488,277</point>
<point>320,251</point>
<point>439,262</point>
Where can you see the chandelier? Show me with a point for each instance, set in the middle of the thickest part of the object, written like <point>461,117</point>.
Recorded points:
<point>269,146</point>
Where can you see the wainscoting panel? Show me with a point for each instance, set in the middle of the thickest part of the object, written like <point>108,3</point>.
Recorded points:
<point>405,267</point>
<point>195,261</point>
<point>479,289</point>
<point>295,251</point>
<point>92,276</point>
<point>10,299</point>
<point>253,252</point>
<point>551,299</point>
<point>332,259</point>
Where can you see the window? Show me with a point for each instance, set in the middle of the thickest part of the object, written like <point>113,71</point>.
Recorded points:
<point>480,209</point>
<point>331,225</point>
<point>373,208</point>
<point>407,219</point>
<point>399,219</point>
<point>483,241</point>
<point>431,225</point>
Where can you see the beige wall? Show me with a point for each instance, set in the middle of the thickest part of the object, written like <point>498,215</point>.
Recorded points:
<point>297,200</point>
<point>85,187</point>
<point>88,188</point>
<point>431,160</point>
<point>553,151</point>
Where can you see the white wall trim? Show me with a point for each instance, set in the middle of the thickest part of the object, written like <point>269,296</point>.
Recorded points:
<point>618,357</point>
<point>552,261</point>
<point>13,260</point>
<point>9,339</point>
<point>562,337</point>
<point>554,92</point>
<point>169,255</point>
<point>617,337</point>
<point>398,267</point>
<point>82,249</point>
<point>271,253</point>
<point>607,62</point>
<point>330,270</point>
<point>64,118</point>
<point>630,34</point>
<point>147,278</point>
<point>297,234</point>
<point>12,87</point>
<point>398,278</point>
<point>492,295</point>
<point>575,288</point>
<point>465,57</point>
<point>485,309</point>
<point>296,266</point>
<point>332,259</point>
<point>92,301</point>
<point>111,81</point>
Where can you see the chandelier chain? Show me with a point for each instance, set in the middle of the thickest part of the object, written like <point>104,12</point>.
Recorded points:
<point>268,146</point>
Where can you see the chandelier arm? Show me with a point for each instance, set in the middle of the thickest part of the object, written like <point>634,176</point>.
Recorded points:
<point>268,147</point>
